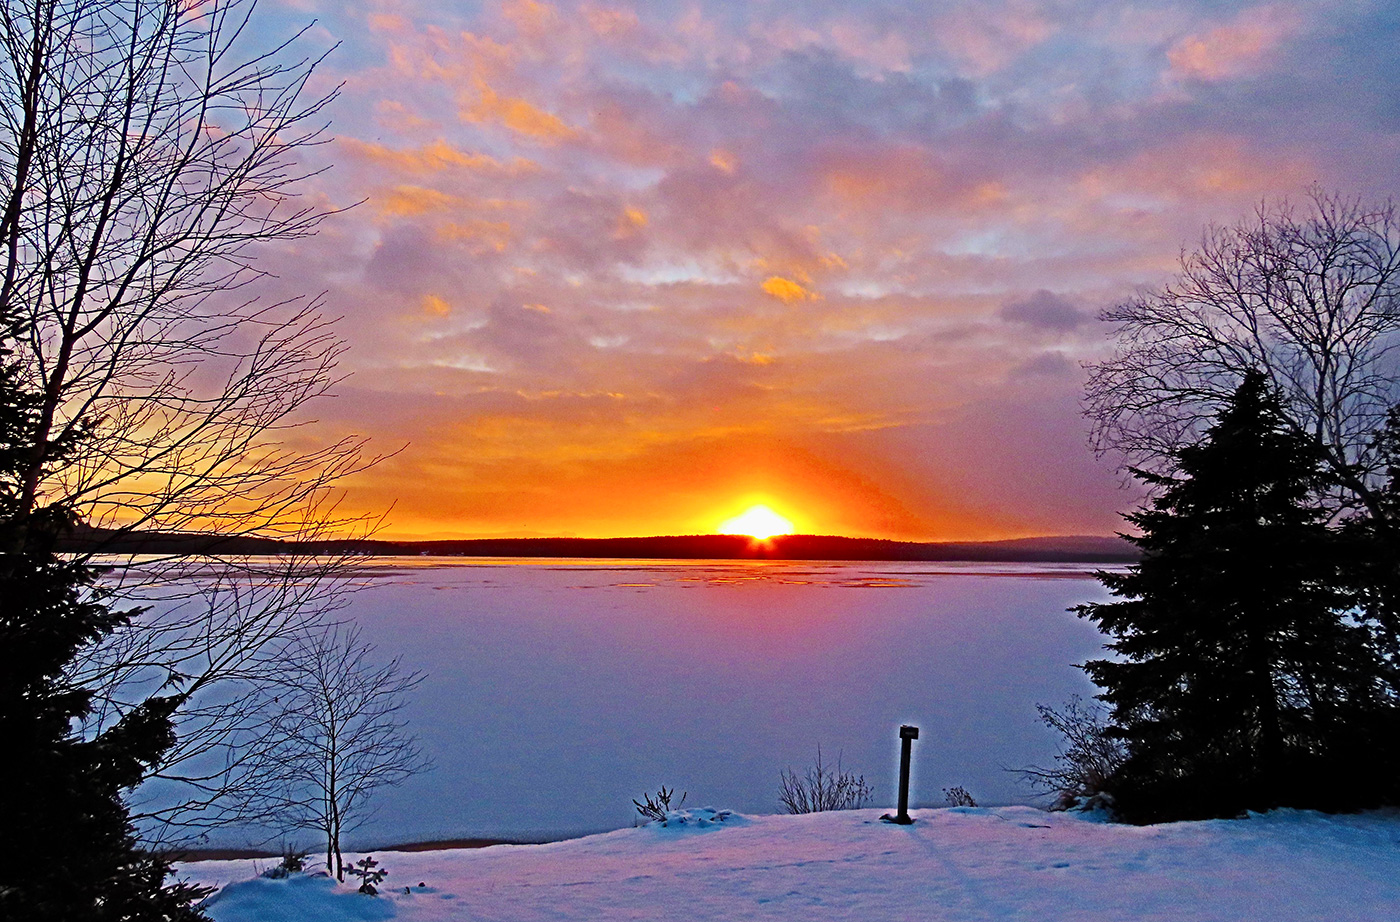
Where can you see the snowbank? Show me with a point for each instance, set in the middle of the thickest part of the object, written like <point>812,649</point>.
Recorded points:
<point>952,864</point>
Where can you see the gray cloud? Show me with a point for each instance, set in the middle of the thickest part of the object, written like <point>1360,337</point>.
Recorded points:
<point>1045,310</point>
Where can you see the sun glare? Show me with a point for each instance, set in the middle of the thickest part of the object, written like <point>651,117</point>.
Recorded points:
<point>758,522</point>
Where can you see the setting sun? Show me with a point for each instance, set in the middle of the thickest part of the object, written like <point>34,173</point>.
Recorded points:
<point>759,522</point>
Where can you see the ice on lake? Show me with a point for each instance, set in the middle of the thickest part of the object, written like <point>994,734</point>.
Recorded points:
<point>558,690</point>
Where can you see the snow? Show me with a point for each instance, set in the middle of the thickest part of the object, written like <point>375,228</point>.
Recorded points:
<point>296,899</point>
<point>698,820</point>
<point>952,864</point>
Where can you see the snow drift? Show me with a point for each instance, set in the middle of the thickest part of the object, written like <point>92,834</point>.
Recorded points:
<point>952,864</point>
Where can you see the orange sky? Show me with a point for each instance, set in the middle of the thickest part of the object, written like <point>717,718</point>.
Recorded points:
<point>627,268</point>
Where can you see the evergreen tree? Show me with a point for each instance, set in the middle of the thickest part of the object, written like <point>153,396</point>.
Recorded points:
<point>1374,554</point>
<point>69,851</point>
<point>1242,680</point>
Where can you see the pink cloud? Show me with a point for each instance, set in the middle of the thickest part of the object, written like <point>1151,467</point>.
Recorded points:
<point>1244,45</point>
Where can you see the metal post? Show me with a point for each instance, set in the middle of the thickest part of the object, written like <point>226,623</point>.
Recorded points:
<point>907,735</point>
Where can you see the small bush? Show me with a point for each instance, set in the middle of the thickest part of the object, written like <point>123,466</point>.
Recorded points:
<point>1088,758</point>
<point>293,862</point>
<point>655,807</point>
<point>958,797</point>
<point>369,873</point>
<point>823,788</point>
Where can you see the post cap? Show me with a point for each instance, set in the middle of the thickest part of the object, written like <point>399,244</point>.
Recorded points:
<point>907,732</point>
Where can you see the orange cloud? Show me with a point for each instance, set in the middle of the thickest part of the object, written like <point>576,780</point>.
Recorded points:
<point>433,158</point>
<point>387,22</point>
<point>1199,168</point>
<point>987,40</point>
<point>530,16</point>
<point>411,201</point>
<point>517,114</point>
<point>486,235</point>
<point>723,161</point>
<point>629,222</point>
<point>610,21</point>
<point>786,290</point>
<point>1235,48</point>
<point>435,306</point>
<point>395,116</point>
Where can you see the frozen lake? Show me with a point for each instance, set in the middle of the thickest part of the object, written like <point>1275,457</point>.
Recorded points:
<point>558,690</point>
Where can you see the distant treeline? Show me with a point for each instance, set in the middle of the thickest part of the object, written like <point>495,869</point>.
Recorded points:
<point>1064,549</point>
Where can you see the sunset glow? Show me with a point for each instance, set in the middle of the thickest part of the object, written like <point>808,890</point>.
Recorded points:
<point>616,259</point>
<point>757,521</point>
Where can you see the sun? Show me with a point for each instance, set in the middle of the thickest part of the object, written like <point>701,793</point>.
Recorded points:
<point>758,522</point>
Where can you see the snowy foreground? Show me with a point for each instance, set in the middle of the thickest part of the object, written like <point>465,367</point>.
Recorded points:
<point>952,864</point>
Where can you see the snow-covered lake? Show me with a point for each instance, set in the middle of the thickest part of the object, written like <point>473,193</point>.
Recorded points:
<point>558,690</point>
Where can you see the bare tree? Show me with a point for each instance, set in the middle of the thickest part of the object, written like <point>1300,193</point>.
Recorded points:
<point>822,787</point>
<point>144,162</point>
<point>1309,295</point>
<point>223,636</point>
<point>338,736</point>
<point>148,150</point>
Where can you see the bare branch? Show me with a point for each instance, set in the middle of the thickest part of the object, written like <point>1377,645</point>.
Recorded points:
<point>1310,296</point>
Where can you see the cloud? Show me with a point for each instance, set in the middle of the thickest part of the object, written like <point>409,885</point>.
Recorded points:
<point>435,157</point>
<point>1244,45</point>
<point>1045,310</point>
<point>841,252</point>
<point>786,290</point>
<point>517,114</point>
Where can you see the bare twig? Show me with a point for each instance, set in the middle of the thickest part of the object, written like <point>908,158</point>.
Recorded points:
<point>822,787</point>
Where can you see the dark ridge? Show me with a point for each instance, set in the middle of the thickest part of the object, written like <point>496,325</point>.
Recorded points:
<point>1057,549</point>
<point>220,854</point>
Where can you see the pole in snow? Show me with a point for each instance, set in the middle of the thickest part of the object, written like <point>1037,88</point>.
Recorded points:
<point>907,735</point>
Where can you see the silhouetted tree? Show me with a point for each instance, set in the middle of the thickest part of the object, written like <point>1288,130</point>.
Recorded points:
<point>148,150</point>
<point>1307,294</point>
<point>1242,683</point>
<point>1373,558</point>
<point>69,848</point>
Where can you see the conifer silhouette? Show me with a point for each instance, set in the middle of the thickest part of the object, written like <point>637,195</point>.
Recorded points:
<point>70,849</point>
<point>1242,683</point>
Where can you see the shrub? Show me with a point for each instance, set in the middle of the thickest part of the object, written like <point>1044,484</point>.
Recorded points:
<point>369,873</point>
<point>823,788</point>
<point>958,797</point>
<point>293,862</point>
<point>1088,756</point>
<point>655,807</point>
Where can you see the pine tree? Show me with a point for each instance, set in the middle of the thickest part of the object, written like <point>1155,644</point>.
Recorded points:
<point>1242,682</point>
<point>69,851</point>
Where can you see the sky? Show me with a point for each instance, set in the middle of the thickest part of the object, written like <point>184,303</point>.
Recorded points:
<point>626,268</point>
